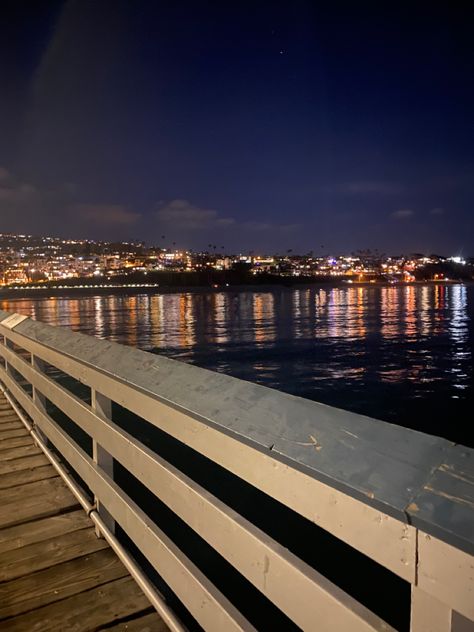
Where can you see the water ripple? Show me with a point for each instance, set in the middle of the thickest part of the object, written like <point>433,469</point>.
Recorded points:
<point>399,354</point>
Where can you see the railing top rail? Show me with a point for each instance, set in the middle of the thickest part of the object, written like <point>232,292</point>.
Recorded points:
<point>417,478</point>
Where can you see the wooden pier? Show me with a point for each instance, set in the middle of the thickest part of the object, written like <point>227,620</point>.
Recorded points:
<point>55,573</point>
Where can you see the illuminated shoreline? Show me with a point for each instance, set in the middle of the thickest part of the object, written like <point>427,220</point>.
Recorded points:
<point>286,283</point>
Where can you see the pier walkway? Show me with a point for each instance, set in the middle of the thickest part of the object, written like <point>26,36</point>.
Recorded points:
<point>55,573</point>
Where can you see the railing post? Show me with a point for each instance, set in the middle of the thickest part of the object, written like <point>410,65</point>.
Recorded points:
<point>39,400</point>
<point>8,343</point>
<point>428,614</point>
<point>102,406</point>
<point>460,623</point>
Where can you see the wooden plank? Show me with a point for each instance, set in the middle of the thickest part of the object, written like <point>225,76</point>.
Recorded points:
<point>8,416</point>
<point>14,424</point>
<point>44,529</point>
<point>16,465</point>
<point>13,479</point>
<point>15,442</point>
<point>17,453</point>
<point>86,611</point>
<point>148,623</point>
<point>59,582</point>
<point>35,500</point>
<point>17,432</point>
<point>7,412</point>
<point>41,555</point>
<point>45,489</point>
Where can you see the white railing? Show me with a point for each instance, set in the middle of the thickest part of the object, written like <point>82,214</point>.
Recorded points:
<point>402,498</point>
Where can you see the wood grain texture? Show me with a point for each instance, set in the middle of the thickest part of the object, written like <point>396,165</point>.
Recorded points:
<point>11,424</point>
<point>15,442</point>
<point>35,500</point>
<point>32,490</point>
<point>30,475</point>
<point>62,548</point>
<point>83,612</point>
<point>44,529</point>
<point>17,453</point>
<point>59,582</point>
<point>7,412</point>
<point>22,463</point>
<point>9,434</point>
<point>147,623</point>
<point>12,416</point>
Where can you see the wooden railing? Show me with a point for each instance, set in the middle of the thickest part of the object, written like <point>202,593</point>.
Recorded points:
<point>401,498</point>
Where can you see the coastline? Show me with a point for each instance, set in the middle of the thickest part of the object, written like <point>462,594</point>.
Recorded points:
<point>9,293</point>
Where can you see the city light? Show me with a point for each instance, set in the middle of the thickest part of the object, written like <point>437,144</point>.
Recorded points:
<point>29,261</point>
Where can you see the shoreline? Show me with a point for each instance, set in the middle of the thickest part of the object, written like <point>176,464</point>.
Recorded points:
<point>42,292</point>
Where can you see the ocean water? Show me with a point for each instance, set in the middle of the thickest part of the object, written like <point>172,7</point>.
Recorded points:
<point>401,354</point>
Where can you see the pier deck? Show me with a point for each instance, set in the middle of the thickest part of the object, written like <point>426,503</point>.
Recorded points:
<point>55,573</point>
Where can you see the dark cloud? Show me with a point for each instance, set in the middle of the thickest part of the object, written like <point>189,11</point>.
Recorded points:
<point>267,226</point>
<point>21,202</point>
<point>106,214</point>
<point>181,214</point>
<point>25,207</point>
<point>366,187</point>
<point>4,174</point>
<point>404,213</point>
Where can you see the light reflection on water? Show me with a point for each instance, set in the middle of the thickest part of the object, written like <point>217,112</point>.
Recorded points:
<point>403,354</point>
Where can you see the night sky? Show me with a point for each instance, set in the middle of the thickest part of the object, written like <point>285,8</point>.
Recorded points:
<point>249,125</point>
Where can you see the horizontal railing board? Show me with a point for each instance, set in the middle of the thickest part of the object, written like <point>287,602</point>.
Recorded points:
<point>384,465</point>
<point>444,506</point>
